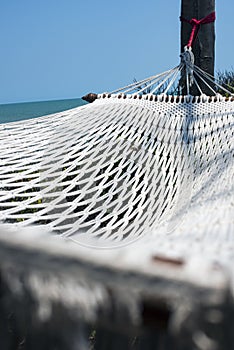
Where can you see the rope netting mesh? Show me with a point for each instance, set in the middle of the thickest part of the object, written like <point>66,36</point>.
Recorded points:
<point>123,166</point>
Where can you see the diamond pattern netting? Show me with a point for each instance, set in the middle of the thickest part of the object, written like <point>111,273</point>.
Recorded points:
<point>119,168</point>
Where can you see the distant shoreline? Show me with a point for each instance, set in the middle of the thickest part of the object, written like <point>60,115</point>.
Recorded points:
<point>11,112</point>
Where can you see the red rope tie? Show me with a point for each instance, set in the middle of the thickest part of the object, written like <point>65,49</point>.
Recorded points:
<point>196,24</point>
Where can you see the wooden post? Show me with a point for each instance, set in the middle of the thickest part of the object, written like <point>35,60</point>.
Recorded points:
<point>204,46</point>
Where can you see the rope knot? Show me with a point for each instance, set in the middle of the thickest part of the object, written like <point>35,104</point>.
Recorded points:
<point>196,24</point>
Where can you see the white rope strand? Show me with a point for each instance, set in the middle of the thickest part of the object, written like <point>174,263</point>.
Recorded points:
<point>204,81</point>
<point>163,82</point>
<point>173,79</point>
<point>197,85</point>
<point>133,86</point>
<point>166,77</point>
<point>213,80</point>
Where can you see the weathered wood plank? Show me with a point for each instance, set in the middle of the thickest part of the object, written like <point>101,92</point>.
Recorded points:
<point>59,291</point>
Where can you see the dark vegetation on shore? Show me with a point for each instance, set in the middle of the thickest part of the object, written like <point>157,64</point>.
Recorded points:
<point>226,79</point>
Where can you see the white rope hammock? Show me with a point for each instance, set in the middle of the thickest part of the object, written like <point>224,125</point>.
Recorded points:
<point>142,159</point>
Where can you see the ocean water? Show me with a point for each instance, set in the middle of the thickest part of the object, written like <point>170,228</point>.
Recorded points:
<point>26,110</point>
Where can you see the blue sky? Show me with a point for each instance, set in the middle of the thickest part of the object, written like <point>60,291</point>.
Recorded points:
<point>57,49</point>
